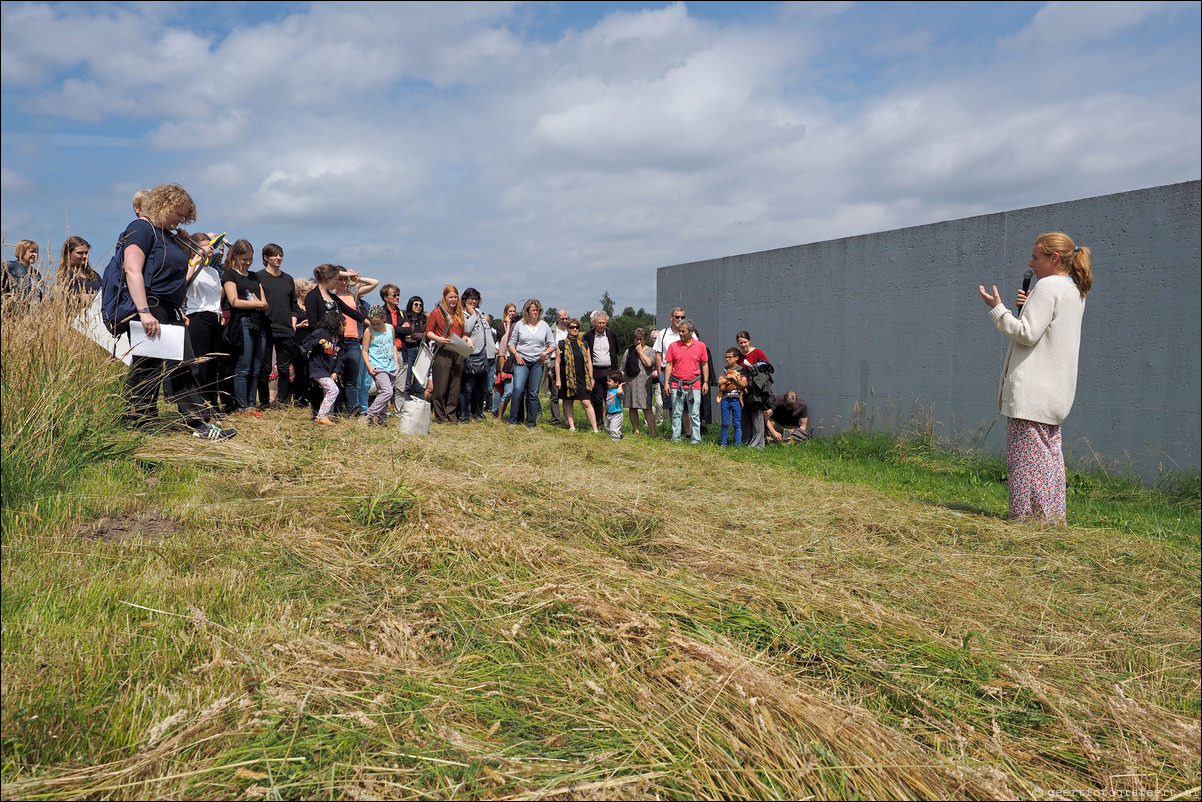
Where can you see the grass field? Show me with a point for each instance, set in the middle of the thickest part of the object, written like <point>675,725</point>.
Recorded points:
<point>493,612</point>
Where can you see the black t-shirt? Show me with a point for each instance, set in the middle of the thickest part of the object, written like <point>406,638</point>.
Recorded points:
<point>788,416</point>
<point>248,288</point>
<point>280,294</point>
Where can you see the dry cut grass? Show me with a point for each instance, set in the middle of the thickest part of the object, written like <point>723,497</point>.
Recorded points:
<point>496,613</point>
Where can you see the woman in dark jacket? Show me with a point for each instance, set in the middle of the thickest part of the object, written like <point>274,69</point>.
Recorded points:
<point>413,334</point>
<point>324,298</point>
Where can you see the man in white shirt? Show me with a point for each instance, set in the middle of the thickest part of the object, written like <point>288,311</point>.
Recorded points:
<point>603,347</point>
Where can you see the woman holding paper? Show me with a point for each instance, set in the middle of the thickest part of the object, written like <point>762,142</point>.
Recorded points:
<point>446,372</point>
<point>156,273</point>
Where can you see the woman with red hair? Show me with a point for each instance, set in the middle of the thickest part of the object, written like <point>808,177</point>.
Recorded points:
<point>446,372</point>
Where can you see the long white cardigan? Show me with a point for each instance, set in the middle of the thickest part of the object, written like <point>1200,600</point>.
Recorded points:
<point>1039,376</point>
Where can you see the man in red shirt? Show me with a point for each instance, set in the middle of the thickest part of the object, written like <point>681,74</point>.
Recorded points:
<point>687,378</point>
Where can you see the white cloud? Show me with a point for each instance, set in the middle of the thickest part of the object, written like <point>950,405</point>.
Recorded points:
<point>230,128</point>
<point>1061,27</point>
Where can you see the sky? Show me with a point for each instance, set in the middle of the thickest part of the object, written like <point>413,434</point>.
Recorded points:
<point>565,150</point>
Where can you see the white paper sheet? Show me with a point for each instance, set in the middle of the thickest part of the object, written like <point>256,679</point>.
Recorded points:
<point>168,345</point>
<point>459,345</point>
<point>89,324</point>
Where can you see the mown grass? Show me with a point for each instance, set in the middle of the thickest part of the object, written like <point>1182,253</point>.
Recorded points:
<point>491,612</point>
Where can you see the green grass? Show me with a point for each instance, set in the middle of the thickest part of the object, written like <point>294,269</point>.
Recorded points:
<point>918,468</point>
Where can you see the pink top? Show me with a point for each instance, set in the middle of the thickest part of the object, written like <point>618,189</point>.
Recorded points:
<point>686,360</point>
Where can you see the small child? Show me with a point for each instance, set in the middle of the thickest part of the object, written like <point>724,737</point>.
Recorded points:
<point>613,405</point>
<point>324,346</point>
<point>382,359</point>
<point>731,385</point>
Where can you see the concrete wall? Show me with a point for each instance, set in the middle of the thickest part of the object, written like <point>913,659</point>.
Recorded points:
<point>889,325</point>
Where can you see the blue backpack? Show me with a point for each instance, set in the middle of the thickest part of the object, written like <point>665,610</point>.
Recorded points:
<point>116,306</point>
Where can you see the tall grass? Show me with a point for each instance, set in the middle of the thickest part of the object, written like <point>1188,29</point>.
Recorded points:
<point>61,401</point>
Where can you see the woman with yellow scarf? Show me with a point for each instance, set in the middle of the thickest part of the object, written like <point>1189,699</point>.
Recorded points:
<point>574,376</point>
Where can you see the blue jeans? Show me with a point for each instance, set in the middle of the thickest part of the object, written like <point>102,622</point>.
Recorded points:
<point>410,383</point>
<point>473,392</point>
<point>365,383</point>
<point>246,367</point>
<point>352,367</point>
<point>526,379</point>
<point>502,396</point>
<point>692,397</point>
<point>732,413</point>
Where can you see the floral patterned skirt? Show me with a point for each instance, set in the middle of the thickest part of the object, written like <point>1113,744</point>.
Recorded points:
<point>1035,471</point>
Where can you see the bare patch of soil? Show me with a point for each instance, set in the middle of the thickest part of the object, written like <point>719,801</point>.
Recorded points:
<point>147,525</point>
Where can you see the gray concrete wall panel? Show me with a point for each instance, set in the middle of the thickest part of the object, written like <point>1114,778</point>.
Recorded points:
<point>887,329</point>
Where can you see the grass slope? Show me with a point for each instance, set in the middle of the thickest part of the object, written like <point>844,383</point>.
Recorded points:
<point>492,612</point>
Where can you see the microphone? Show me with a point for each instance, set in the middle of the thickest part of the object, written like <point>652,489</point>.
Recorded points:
<point>1026,285</point>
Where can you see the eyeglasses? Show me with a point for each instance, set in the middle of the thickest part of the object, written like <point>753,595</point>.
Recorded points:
<point>573,326</point>
<point>678,317</point>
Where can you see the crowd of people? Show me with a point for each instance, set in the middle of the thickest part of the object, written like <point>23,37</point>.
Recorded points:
<point>257,339</point>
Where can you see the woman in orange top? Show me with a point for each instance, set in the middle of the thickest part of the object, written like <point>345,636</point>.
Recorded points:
<point>447,369</point>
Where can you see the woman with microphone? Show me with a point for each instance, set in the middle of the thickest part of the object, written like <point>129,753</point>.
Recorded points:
<point>1039,375</point>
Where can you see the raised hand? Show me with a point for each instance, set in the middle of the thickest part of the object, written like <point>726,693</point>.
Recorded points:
<point>990,300</point>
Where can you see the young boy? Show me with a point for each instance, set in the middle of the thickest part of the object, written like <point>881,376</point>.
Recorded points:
<point>283,311</point>
<point>381,360</point>
<point>731,385</point>
<point>613,404</point>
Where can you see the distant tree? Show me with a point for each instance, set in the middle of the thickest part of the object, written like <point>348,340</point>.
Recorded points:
<point>623,325</point>
<point>607,304</point>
